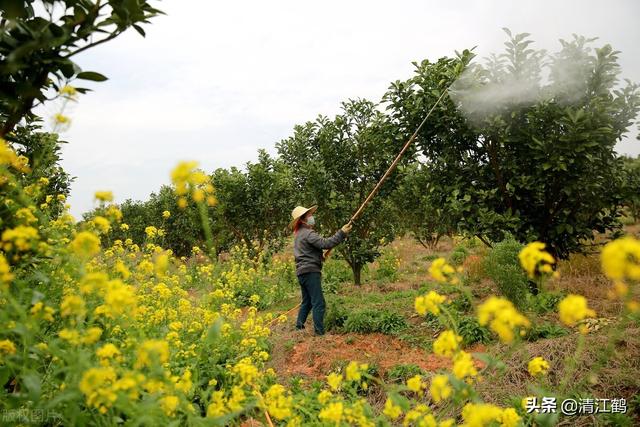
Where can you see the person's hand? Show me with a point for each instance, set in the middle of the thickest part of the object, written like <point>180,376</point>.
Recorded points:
<point>346,229</point>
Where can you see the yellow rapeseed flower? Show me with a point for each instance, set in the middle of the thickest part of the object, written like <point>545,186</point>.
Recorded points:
<point>151,352</point>
<point>534,259</point>
<point>573,308</point>
<point>440,388</point>
<point>108,351</point>
<point>463,365</point>
<point>103,196</point>
<point>25,215</point>
<point>217,406</point>
<point>429,303</point>
<point>85,244</point>
<point>278,403</point>
<point>166,214</point>
<point>332,412</point>
<point>246,370</point>
<point>334,380</point>
<point>621,259</point>
<point>72,305</point>
<point>354,370</point>
<point>391,410</point>
<point>151,231</point>
<point>7,347</point>
<point>480,414</point>
<point>92,335</point>
<point>538,366</point>
<point>5,271</point>
<point>169,404</point>
<point>415,384</point>
<point>102,224</point>
<point>22,238</point>
<point>443,272</point>
<point>70,335</point>
<point>502,317</point>
<point>324,396</point>
<point>97,386</point>
<point>9,157</point>
<point>447,343</point>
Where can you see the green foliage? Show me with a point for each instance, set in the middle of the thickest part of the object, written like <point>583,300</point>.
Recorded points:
<point>427,222</point>
<point>335,316</point>
<point>388,264</point>
<point>43,151</point>
<point>545,330</point>
<point>335,272</point>
<point>632,186</point>
<point>337,164</point>
<point>617,420</point>
<point>527,168</point>
<point>462,303</point>
<point>401,373</point>
<point>38,42</point>
<point>255,205</point>
<point>369,321</point>
<point>471,331</point>
<point>545,302</point>
<point>503,267</point>
<point>182,230</point>
<point>458,255</point>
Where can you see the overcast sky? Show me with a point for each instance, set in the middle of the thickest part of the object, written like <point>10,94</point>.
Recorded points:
<point>215,81</point>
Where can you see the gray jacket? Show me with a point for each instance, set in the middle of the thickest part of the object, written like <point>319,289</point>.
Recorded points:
<point>308,246</point>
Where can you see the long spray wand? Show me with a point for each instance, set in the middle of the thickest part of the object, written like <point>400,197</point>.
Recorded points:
<point>391,168</point>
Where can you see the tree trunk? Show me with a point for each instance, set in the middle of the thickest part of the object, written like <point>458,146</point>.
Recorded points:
<point>356,268</point>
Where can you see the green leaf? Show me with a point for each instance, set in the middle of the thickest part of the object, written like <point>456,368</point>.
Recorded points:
<point>139,29</point>
<point>31,382</point>
<point>91,75</point>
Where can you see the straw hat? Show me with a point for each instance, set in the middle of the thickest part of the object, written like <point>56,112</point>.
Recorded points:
<point>298,212</point>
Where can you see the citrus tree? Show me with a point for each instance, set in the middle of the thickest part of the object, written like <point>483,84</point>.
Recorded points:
<point>417,215</point>
<point>532,158</point>
<point>632,186</point>
<point>254,204</point>
<point>38,40</point>
<point>336,162</point>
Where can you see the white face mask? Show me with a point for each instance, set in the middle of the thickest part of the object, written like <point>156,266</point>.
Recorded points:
<point>311,221</point>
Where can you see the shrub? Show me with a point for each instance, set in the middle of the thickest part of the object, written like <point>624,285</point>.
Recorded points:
<point>545,330</point>
<point>503,267</point>
<point>544,302</point>
<point>368,321</point>
<point>335,316</point>
<point>335,272</point>
<point>388,264</point>
<point>462,303</point>
<point>471,331</point>
<point>458,255</point>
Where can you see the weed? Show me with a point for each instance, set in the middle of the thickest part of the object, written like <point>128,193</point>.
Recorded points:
<point>401,373</point>
<point>544,302</point>
<point>369,321</point>
<point>471,331</point>
<point>458,255</point>
<point>503,267</point>
<point>545,330</point>
<point>335,316</point>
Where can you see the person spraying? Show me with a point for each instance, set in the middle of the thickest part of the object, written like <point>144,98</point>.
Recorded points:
<point>307,250</point>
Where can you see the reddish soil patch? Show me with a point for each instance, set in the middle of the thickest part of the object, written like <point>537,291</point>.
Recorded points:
<point>315,357</point>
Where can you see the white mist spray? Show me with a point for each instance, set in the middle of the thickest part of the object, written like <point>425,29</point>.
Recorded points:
<point>523,76</point>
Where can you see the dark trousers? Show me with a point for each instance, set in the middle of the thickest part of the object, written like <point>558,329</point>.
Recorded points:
<point>312,300</point>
